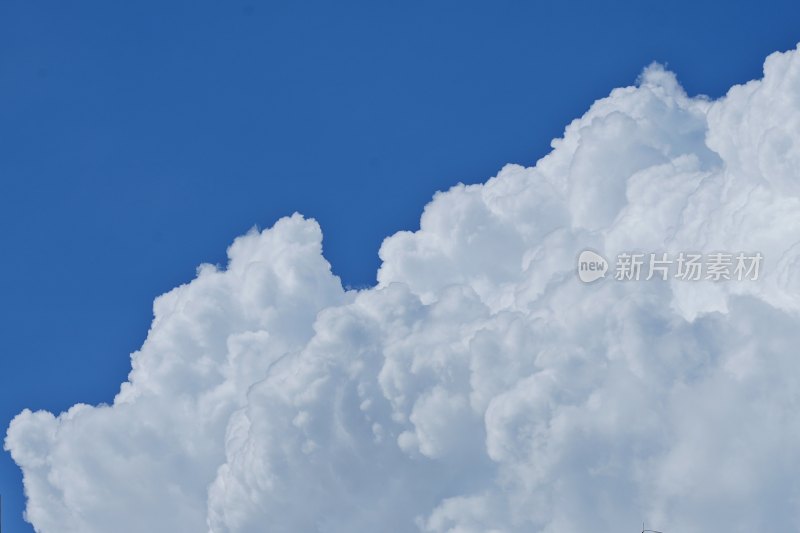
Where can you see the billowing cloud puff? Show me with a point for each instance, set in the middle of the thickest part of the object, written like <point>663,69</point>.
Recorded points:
<point>480,386</point>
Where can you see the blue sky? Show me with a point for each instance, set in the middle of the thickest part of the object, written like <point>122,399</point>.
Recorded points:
<point>138,139</point>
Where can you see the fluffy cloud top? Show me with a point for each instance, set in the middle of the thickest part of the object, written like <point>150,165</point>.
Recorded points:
<point>479,387</point>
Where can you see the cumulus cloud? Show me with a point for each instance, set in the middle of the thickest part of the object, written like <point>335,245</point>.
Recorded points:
<point>480,386</point>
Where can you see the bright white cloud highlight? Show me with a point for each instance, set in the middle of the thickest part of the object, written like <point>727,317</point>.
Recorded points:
<point>480,387</point>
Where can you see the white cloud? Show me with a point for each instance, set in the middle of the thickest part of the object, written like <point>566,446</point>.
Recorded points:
<point>480,386</point>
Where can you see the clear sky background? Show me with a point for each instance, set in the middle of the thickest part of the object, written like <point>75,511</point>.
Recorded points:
<point>137,139</point>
